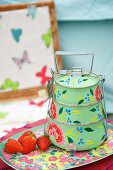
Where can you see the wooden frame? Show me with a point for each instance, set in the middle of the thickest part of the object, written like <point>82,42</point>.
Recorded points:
<point>34,91</point>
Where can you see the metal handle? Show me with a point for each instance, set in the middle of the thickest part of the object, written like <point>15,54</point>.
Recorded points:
<point>66,53</point>
<point>102,78</point>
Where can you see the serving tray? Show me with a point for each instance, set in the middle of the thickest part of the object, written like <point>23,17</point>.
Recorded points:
<point>55,158</point>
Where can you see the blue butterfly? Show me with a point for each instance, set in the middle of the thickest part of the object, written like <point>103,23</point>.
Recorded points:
<point>32,11</point>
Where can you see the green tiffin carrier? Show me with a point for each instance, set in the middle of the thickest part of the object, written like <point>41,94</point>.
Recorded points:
<point>76,136</point>
<point>76,115</point>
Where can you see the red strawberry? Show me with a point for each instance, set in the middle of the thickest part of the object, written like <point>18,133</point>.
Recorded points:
<point>27,133</point>
<point>29,144</point>
<point>13,146</point>
<point>43,143</point>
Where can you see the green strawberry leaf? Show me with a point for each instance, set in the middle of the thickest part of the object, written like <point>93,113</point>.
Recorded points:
<point>70,140</point>
<point>91,91</point>
<point>88,129</point>
<point>60,110</point>
<point>64,91</point>
<point>81,101</point>
<point>76,121</point>
<point>93,110</point>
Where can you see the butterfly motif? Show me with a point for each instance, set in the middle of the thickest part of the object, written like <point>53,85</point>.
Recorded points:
<point>47,38</point>
<point>9,84</point>
<point>40,104</point>
<point>23,60</point>
<point>42,75</point>
<point>16,33</point>
<point>3,115</point>
<point>32,11</point>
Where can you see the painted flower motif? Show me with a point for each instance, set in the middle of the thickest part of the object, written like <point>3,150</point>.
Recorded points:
<point>80,129</point>
<point>71,147</point>
<point>81,142</point>
<point>54,129</point>
<point>80,80</point>
<point>99,116</point>
<point>87,97</point>
<point>59,94</point>
<point>97,108</point>
<point>53,110</point>
<point>68,81</point>
<point>69,121</point>
<point>53,166</point>
<point>53,158</point>
<point>97,93</point>
<point>68,111</point>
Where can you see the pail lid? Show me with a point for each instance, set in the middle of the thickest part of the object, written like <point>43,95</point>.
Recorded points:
<point>77,81</point>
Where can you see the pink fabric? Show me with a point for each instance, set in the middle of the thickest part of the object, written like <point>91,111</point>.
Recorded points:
<point>104,164</point>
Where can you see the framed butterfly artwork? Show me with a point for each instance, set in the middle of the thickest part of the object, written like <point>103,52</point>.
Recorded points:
<point>29,38</point>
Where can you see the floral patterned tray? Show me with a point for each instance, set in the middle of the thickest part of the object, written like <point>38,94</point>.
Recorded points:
<point>55,158</point>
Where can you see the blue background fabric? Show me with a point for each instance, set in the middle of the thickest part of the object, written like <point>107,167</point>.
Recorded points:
<point>85,26</point>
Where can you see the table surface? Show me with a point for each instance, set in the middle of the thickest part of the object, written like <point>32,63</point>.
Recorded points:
<point>33,110</point>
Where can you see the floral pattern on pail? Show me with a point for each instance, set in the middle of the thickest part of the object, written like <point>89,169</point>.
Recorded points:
<point>70,115</point>
<point>82,136</point>
<point>56,131</point>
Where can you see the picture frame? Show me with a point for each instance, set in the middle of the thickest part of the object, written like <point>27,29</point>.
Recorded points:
<point>9,15</point>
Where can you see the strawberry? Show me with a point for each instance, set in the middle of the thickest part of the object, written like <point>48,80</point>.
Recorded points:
<point>27,133</point>
<point>43,143</point>
<point>29,144</point>
<point>12,146</point>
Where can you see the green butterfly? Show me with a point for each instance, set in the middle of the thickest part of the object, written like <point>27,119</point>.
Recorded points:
<point>9,84</point>
<point>47,38</point>
<point>3,115</point>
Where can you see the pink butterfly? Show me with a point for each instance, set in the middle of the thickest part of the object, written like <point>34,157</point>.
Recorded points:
<point>20,62</point>
<point>12,130</point>
<point>42,75</point>
<point>40,104</point>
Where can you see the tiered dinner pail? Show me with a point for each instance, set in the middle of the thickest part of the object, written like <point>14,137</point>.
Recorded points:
<point>76,114</point>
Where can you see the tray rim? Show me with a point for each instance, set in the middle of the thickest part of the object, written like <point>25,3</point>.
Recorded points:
<point>41,123</point>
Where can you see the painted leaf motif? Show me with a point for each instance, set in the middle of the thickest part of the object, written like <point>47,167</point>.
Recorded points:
<point>91,91</point>
<point>69,131</point>
<point>85,79</point>
<point>54,96</point>
<point>93,110</point>
<point>88,129</point>
<point>61,81</point>
<point>70,140</point>
<point>76,121</point>
<point>103,137</point>
<point>60,110</point>
<point>64,91</point>
<point>81,101</point>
